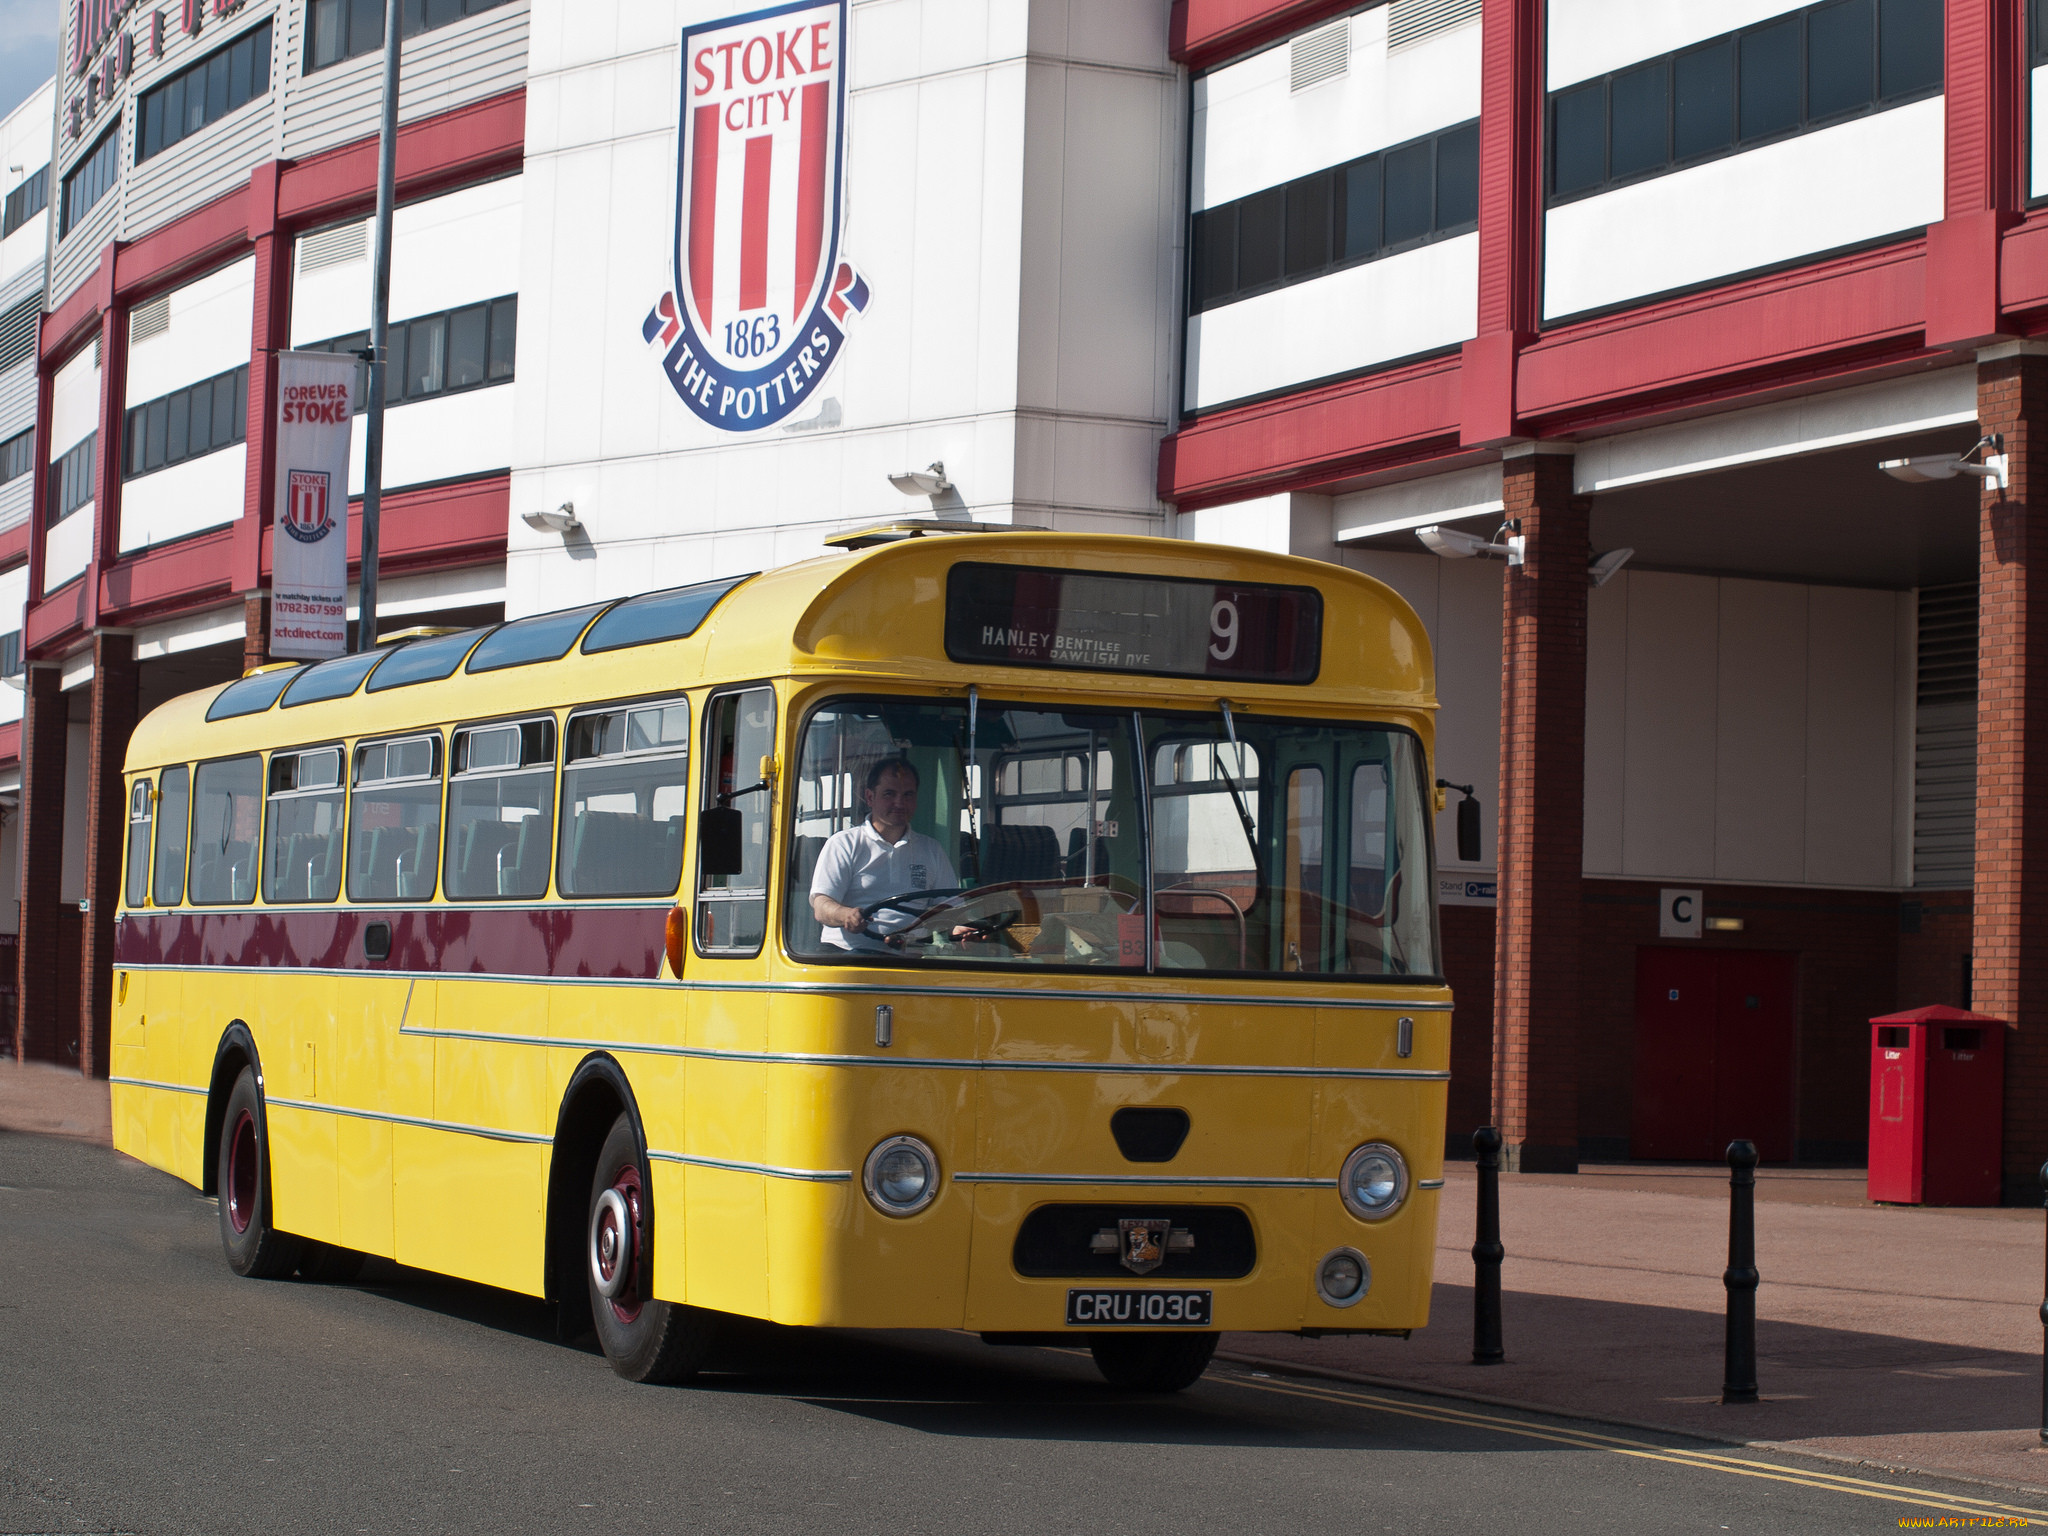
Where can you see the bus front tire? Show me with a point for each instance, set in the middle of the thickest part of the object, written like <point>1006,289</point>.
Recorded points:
<point>1152,1362</point>
<point>256,1250</point>
<point>645,1340</point>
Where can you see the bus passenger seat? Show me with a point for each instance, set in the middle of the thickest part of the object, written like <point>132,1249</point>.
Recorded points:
<point>526,861</point>
<point>1020,853</point>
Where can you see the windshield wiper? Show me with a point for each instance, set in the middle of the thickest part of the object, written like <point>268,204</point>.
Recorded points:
<point>1244,817</point>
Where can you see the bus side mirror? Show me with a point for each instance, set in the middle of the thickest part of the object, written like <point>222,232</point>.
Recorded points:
<point>1468,830</point>
<point>718,840</point>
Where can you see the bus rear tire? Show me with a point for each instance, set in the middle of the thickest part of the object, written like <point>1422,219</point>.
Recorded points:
<point>645,1340</point>
<point>255,1249</point>
<point>1152,1362</point>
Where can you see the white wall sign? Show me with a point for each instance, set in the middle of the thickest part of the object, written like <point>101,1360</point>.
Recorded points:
<point>309,558</point>
<point>1678,914</point>
<point>762,291</point>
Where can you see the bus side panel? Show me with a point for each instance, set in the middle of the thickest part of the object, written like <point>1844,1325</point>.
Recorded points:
<point>294,1028</point>
<point>368,1056</point>
<point>135,1110</point>
<point>465,1202</point>
<point>726,1245</point>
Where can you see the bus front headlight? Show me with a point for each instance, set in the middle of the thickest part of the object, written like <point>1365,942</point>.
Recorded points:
<point>901,1176</point>
<point>1374,1182</point>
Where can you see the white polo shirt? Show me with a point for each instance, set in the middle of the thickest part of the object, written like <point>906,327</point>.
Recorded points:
<point>858,865</point>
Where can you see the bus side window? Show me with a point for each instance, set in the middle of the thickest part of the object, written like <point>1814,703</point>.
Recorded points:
<point>739,732</point>
<point>138,843</point>
<point>227,818</point>
<point>625,787</point>
<point>394,823</point>
<point>302,834</point>
<point>501,805</point>
<point>174,801</point>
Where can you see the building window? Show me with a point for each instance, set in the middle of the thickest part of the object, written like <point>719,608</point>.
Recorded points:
<point>71,481</point>
<point>186,424</point>
<point>17,455</point>
<point>25,202</point>
<point>226,79</point>
<point>347,29</point>
<point>10,654</point>
<point>1358,211</point>
<point>1792,74</point>
<point>92,178</point>
<point>458,349</point>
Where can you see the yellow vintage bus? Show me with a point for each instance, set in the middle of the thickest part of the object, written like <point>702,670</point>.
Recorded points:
<point>1023,933</point>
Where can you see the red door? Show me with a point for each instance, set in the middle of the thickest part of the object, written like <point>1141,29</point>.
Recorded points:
<point>1714,1035</point>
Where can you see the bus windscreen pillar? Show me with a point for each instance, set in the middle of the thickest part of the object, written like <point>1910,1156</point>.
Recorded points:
<point>1542,814</point>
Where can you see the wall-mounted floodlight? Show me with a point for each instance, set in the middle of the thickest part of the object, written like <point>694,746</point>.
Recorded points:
<point>1608,566</point>
<point>1926,468</point>
<point>929,481</point>
<point>562,520</point>
<point>1455,545</point>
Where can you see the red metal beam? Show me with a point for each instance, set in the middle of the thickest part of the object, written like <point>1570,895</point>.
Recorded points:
<point>1202,33</point>
<point>450,148</point>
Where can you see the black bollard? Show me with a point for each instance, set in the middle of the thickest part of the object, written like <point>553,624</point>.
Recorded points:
<point>1738,1383</point>
<point>1487,1252</point>
<point>2044,1325</point>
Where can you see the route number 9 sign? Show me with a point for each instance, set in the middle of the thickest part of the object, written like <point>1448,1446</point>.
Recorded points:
<point>1096,621</point>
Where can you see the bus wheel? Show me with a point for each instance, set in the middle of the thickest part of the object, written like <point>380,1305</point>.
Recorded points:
<point>645,1340</point>
<point>254,1247</point>
<point>1152,1362</point>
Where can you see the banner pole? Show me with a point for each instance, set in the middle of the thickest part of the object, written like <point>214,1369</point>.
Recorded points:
<point>380,318</point>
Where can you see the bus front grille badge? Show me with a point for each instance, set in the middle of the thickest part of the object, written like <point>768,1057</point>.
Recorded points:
<point>1142,1243</point>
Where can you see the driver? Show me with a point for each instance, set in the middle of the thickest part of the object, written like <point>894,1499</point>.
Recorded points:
<point>876,860</point>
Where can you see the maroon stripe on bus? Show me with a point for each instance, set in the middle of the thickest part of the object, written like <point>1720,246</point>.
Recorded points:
<point>536,942</point>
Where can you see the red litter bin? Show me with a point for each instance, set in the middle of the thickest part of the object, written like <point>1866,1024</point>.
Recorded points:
<point>1937,1107</point>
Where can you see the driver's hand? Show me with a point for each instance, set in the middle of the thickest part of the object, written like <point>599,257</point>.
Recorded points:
<point>965,931</point>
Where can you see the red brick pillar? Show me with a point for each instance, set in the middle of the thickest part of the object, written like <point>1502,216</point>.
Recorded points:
<point>255,629</point>
<point>43,1030</point>
<point>2009,941</point>
<point>106,836</point>
<point>1542,815</point>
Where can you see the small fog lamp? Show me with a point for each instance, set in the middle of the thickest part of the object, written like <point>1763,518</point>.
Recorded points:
<point>901,1176</point>
<point>1374,1182</point>
<point>1343,1278</point>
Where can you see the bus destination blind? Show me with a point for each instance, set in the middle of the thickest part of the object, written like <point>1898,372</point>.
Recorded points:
<point>1096,621</point>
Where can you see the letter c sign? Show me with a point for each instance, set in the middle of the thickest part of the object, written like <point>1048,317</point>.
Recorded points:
<point>1678,914</point>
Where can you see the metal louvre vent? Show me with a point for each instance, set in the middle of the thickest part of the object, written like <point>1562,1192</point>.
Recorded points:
<point>1945,738</point>
<point>1321,55</point>
<point>1412,20</point>
<point>333,247</point>
<point>18,331</point>
<point>152,319</point>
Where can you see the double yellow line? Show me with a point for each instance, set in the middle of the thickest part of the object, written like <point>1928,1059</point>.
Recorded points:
<point>1643,1450</point>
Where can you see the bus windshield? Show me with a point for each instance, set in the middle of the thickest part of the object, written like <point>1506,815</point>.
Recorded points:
<point>998,834</point>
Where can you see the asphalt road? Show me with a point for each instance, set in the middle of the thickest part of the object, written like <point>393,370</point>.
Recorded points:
<point>143,1388</point>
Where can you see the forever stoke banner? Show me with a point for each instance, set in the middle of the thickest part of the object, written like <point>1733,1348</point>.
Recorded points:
<point>309,558</point>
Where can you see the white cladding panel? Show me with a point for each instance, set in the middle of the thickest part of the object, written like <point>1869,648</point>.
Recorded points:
<point>1759,748</point>
<point>1253,130</point>
<point>441,438</point>
<point>25,141</point>
<point>1853,734</point>
<point>74,402</point>
<point>206,492</point>
<point>1011,192</point>
<point>67,548</point>
<point>1861,180</point>
<point>445,251</point>
<point>2037,157</point>
<point>209,333</point>
<point>1418,301</point>
<point>1590,37</point>
<point>13,601</point>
